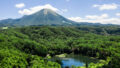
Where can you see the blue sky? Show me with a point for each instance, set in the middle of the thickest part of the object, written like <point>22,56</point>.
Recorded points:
<point>103,11</point>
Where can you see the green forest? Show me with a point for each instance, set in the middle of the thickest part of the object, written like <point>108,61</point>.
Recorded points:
<point>27,47</point>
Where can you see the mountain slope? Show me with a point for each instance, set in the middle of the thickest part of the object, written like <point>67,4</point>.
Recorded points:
<point>43,17</point>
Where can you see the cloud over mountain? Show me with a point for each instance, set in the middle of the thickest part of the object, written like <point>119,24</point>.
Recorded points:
<point>36,9</point>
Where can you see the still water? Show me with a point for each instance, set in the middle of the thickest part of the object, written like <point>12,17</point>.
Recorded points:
<point>76,60</point>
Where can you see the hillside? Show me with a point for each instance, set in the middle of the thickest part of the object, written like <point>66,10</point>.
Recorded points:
<point>28,46</point>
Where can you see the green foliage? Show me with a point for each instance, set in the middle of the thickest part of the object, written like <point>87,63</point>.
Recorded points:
<point>22,47</point>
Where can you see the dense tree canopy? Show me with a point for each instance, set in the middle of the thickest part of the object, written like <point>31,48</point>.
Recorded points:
<point>28,46</point>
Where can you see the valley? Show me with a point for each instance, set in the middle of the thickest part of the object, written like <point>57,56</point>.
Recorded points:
<point>25,47</point>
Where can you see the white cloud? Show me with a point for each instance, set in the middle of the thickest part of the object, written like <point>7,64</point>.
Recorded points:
<point>20,5</point>
<point>112,6</point>
<point>97,17</point>
<point>103,19</point>
<point>117,14</point>
<point>36,9</point>
<point>77,19</point>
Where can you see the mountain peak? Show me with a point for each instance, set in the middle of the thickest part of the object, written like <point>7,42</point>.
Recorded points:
<point>45,9</point>
<point>46,12</point>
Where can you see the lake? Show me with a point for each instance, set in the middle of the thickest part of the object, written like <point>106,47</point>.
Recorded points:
<point>76,60</point>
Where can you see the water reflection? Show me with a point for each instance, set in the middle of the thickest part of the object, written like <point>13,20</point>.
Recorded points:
<point>74,60</point>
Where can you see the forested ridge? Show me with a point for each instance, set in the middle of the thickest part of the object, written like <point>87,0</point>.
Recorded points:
<point>27,47</point>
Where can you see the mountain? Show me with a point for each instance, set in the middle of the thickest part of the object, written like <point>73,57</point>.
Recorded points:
<point>6,22</point>
<point>43,17</point>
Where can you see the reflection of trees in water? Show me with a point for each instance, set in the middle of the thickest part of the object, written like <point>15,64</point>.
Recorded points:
<point>83,59</point>
<point>86,65</point>
<point>78,58</point>
<point>67,67</point>
<point>56,59</point>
